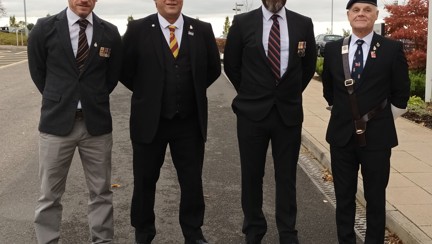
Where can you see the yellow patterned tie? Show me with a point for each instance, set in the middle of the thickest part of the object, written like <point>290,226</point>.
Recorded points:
<point>173,41</point>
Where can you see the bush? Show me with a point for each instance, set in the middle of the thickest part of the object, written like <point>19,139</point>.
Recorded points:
<point>319,66</point>
<point>221,44</point>
<point>418,81</point>
<point>416,105</point>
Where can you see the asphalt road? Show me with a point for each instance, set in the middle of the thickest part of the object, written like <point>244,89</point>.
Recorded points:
<point>19,186</point>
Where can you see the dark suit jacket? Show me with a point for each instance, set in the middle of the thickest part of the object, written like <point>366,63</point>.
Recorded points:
<point>385,76</point>
<point>143,71</point>
<point>54,71</point>
<point>247,66</point>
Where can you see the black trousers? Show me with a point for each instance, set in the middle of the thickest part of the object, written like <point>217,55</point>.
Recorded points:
<point>254,138</point>
<point>187,150</point>
<point>375,170</point>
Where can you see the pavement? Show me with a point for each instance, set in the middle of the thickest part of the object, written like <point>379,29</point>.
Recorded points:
<point>409,193</point>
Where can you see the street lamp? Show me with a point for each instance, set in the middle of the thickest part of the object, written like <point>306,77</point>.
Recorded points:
<point>237,5</point>
<point>331,29</point>
<point>25,19</point>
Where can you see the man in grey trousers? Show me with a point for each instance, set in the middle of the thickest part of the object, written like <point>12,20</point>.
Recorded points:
<point>74,60</point>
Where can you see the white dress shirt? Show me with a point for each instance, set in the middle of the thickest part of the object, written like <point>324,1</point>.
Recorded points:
<point>164,24</point>
<point>284,37</point>
<point>365,47</point>
<point>74,29</point>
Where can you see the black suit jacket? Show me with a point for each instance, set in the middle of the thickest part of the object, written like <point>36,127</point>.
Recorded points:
<point>53,69</point>
<point>143,71</point>
<point>385,76</point>
<point>247,66</point>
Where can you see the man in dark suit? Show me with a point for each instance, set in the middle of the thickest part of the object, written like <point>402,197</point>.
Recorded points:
<point>270,58</point>
<point>74,60</point>
<point>169,62</point>
<point>364,97</point>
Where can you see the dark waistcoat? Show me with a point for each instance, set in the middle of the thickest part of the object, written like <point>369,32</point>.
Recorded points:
<point>179,95</point>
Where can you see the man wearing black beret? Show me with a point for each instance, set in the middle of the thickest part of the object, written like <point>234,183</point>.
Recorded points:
<point>366,84</point>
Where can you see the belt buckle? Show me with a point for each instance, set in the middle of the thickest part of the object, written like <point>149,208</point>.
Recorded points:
<point>360,127</point>
<point>349,82</point>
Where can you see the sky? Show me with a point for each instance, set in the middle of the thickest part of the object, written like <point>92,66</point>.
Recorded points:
<point>213,11</point>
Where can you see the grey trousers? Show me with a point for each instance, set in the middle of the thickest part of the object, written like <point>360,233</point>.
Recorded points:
<point>55,157</point>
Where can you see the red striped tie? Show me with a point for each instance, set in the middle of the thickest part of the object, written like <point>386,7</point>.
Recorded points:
<point>173,41</point>
<point>83,48</point>
<point>273,53</point>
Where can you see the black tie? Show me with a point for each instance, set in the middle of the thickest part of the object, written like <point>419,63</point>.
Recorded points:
<point>83,48</point>
<point>273,54</point>
<point>357,65</point>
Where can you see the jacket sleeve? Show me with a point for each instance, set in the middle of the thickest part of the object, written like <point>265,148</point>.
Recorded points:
<point>213,62</point>
<point>400,84</point>
<point>309,61</point>
<point>37,55</point>
<point>129,57</point>
<point>115,61</point>
<point>233,54</point>
<point>326,76</point>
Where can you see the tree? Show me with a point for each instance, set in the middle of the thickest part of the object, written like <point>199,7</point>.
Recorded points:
<point>409,23</point>
<point>346,32</point>
<point>2,10</point>
<point>130,18</point>
<point>12,21</point>
<point>226,27</point>
<point>30,26</point>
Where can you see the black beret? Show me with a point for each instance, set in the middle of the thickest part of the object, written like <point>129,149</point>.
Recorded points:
<point>351,2</point>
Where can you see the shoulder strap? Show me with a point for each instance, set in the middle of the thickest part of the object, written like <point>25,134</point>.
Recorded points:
<point>360,125</point>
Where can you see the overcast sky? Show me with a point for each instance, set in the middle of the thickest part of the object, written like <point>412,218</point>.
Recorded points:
<point>213,11</point>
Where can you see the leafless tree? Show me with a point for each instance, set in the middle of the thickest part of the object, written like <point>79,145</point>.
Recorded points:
<point>2,10</point>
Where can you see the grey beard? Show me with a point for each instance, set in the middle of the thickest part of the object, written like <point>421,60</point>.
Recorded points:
<point>274,7</point>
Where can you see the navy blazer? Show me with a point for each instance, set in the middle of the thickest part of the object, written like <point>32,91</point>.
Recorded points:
<point>54,71</point>
<point>247,67</point>
<point>385,76</point>
<point>144,74</point>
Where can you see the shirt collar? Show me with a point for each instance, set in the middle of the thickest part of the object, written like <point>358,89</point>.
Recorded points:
<point>367,39</point>
<point>267,14</point>
<point>164,23</point>
<point>73,18</point>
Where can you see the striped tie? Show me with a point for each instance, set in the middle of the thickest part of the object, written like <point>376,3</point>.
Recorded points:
<point>173,41</point>
<point>83,48</point>
<point>273,54</point>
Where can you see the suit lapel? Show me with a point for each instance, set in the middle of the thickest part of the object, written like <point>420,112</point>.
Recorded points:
<point>371,58</point>
<point>155,33</point>
<point>372,54</point>
<point>292,36</point>
<point>259,33</point>
<point>189,32</point>
<point>62,27</point>
<point>98,33</point>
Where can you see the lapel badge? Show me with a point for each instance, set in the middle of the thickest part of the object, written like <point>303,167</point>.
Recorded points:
<point>190,32</point>
<point>153,25</point>
<point>374,50</point>
<point>95,44</point>
<point>344,49</point>
<point>105,52</point>
<point>301,49</point>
